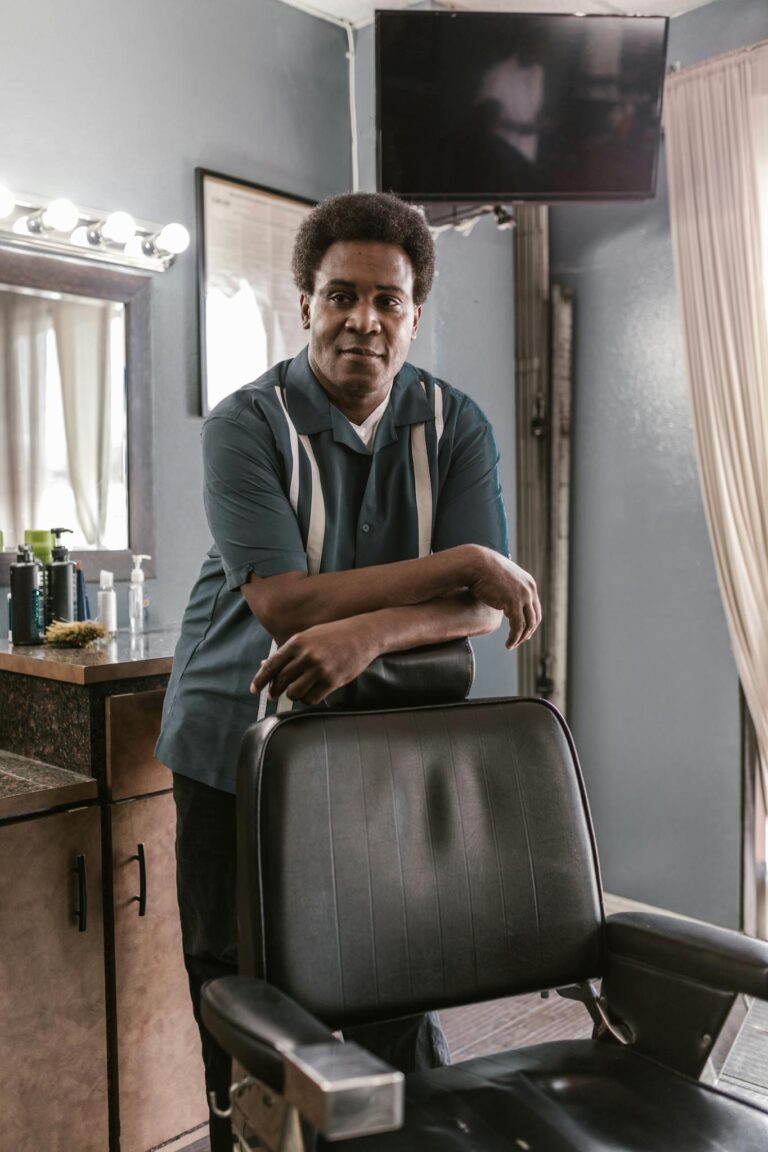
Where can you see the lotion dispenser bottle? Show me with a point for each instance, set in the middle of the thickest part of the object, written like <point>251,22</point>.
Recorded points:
<point>137,602</point>
<point>107,602</point>
<point>61,596</point>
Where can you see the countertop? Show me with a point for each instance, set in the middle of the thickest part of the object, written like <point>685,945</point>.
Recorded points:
<point>123,658</point>
<point>28,786</point>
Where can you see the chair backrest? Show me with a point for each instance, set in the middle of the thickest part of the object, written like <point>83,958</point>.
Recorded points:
<point>400,860</point>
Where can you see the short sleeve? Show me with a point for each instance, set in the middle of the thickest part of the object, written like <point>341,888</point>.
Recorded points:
<point>249,513</point>
<point>470,506</point>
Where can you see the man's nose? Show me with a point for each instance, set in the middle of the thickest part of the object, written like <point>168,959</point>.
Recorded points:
<point>363,317</point>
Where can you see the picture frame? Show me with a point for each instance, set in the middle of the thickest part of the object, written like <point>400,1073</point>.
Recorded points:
<point>248,304</point>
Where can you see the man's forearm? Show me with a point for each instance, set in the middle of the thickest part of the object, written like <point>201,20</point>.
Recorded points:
<point>412,626</point>
<point>293,601</point>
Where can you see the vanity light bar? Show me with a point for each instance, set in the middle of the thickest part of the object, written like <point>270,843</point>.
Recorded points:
<point>58,226</point>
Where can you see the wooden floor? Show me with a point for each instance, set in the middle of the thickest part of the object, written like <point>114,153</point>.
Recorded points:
<point>745,1071</point>
<point>502,1024</point>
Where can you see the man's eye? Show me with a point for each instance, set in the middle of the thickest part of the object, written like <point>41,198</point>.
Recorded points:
<point>391,302</point>
<point>339,298</point>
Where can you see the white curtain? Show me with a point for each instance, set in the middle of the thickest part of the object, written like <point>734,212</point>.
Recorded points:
<point>716,121</point>
<point>24,325</point>
<point>83,348</point>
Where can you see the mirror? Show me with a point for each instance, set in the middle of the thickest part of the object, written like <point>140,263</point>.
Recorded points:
<point>62,440</point>
<point>76,431</point>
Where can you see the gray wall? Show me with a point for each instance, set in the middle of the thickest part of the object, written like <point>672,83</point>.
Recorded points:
<point>118,113</point>
<point>653,686</point>
<point>467,338</point>
<point>116,109</point>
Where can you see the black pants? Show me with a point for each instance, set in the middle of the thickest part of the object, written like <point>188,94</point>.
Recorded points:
<point>206,879</point>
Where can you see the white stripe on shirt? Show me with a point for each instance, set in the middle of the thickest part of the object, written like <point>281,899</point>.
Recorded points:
<point>293,488</point>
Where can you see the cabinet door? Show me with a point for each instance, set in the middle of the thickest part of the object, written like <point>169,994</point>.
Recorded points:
<point>133,726</point>
<point>53,1059</point>
<point>159,1066</point>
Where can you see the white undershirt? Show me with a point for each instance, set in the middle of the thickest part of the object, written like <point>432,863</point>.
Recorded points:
<point>367,430</point>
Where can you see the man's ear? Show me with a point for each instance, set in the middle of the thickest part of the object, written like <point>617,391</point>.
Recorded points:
<point>304,302</point>
<point>416,319</point>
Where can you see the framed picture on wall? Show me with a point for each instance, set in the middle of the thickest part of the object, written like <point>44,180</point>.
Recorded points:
<point>248,302</point>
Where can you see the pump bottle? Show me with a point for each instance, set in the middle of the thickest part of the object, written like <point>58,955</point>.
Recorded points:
<point>137,603</point>
<point>61,601</point>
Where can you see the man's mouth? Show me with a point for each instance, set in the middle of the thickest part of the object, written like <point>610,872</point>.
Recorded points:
<point>356,350</point>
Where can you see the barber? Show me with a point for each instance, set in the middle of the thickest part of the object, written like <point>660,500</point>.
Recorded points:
<point>355,508</point>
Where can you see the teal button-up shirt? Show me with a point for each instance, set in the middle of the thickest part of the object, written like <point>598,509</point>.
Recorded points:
<point>290,486</point>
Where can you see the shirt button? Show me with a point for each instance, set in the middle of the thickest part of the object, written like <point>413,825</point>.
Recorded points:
<point>366,527</point>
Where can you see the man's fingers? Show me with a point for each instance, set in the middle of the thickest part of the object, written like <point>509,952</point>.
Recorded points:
<point>269,668</point>
<point>287,676</point>
<point>262,677</point>
<point>307,688</point>
<point>523,622</point>
<point>533,619</point>
<point>517,629</point>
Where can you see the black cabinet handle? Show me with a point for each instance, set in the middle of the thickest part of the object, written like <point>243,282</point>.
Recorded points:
<point>81,911</point>
<point>142,896</point>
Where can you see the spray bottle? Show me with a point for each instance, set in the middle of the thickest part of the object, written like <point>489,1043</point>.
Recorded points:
<point>138,603</point>
<point>107,602</point>
<point>60,602</point>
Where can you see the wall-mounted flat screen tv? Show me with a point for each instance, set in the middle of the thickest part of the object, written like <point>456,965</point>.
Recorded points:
<point>496,107</point>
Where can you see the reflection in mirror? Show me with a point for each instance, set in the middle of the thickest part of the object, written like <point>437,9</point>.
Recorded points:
<point>83,438</point>
<point>63,436</point>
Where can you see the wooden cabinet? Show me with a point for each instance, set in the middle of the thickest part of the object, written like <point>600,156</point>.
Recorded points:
<point>99,1051</point>
<point>53,1050</point>
<point>160,1086</point>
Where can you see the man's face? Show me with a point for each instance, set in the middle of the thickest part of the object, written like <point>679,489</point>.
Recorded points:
<point>361,319</point>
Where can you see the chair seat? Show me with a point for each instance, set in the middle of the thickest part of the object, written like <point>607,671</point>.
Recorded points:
<point>571,1096</point>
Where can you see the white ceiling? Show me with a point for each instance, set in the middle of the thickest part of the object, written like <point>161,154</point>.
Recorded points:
<point>360,12</point>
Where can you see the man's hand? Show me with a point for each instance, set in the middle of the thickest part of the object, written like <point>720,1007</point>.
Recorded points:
<point>504,585</point>
<point>315,662</point>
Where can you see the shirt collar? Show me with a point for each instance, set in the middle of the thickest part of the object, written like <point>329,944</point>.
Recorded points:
<point>311,410</point>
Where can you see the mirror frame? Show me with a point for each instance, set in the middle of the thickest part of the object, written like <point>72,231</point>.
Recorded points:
<point>133,290</point>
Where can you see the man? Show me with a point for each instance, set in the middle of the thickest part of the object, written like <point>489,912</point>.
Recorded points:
<point>355,507</point>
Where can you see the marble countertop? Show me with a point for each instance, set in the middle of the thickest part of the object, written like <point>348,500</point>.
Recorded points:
<point>28,786</point>
<point>122,658</point>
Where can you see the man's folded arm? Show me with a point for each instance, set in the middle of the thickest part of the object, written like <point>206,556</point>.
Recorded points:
<point>294,601</point>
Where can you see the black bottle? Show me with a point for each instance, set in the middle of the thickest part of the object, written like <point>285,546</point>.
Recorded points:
<point>27,604</point>
<point>61,587</point>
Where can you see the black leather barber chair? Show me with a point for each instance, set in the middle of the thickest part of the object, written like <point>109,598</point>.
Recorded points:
<point>403,860</point>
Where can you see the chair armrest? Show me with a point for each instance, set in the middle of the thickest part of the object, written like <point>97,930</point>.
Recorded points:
<point>258,1025</point>
<point>671,984</point>
<point>717,957</point>
<point>340,1089</point>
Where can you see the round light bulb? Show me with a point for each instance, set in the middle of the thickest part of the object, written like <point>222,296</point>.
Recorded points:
<point>7,202</point>
<point>61,216</point>
<point>173,239</point>
<point>119,227</point>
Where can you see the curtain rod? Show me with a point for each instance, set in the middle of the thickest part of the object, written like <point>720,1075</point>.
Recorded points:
<point>677,73</point>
